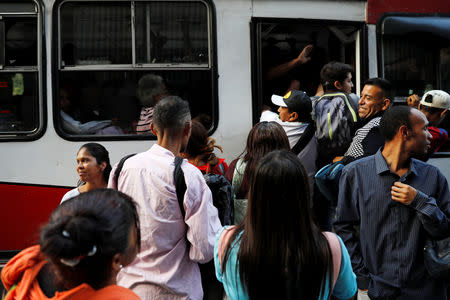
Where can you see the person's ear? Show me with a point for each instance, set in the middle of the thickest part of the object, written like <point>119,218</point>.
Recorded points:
<point>187,129</point>
<point>443,114</point>
<point>403,131</point>
<point>103,166</point>
<point>116,263</point>
<point>293,116</point>
<point>386,104</point>
<point>337,85</point>
<point>153,129</point>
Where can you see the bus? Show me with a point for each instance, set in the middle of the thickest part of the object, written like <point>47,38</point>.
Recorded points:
<point>216,54</point>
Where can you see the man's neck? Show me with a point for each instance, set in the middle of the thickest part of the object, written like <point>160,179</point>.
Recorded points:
<point>171,144</point>
<point>396,157</point>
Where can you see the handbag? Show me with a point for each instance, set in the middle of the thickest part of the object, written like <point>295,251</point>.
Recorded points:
<point>437,258</point>
<point>327,180</point>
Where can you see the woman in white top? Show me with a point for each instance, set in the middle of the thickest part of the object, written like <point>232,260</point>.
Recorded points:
<point>93,167</point>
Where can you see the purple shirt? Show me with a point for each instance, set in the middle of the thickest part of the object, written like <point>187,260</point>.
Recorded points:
<point>164,260</point>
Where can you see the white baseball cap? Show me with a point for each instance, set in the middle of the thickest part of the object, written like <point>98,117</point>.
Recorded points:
<point>437,99</point>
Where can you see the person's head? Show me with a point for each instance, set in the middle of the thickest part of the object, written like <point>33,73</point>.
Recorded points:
<point>375,97</point>
<point>199,144</point>
<point>336,76</point>
<point>150,90</point>
<point>93,163</point>
<point>172,120</point>
<point>279,220</point>
<point>295,106</point>
<point>89,238</point>
<point>408,127</point>
<point>434,105</point>
<point>263,138</point>
<point>64,100</point>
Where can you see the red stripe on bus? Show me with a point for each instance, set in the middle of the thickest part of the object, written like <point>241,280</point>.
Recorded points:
<point>23,210</point>
<point>375,8</point>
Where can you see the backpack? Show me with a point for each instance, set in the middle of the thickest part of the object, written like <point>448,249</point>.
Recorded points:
<point>223,197</point>
<point>336,122</point>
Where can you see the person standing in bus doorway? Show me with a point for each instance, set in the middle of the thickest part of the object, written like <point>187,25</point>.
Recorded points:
<point>166,267</point>
<point>397,202</point>
<point>336,119</point>
<point>374,101</point>
<point>151,89</point>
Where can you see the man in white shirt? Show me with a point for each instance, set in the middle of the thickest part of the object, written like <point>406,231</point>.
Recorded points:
<point>171,247</point>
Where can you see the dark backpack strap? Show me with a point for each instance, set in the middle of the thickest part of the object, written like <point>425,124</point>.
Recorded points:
<point>304,139</point>
<point>180,183</point>
<point>119,169</point>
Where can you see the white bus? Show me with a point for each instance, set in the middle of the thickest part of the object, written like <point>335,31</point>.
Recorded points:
<point>213,53</point>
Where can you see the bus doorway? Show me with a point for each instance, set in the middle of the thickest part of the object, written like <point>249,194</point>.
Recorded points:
<point>277,44</point>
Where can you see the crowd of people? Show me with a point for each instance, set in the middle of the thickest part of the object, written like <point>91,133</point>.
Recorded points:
<point>138,231</point>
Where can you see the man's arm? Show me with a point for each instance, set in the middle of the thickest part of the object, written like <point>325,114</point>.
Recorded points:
<point>347,218</point>
<point>433,212</point>
<point>201,218</point>
<point>282,69</point>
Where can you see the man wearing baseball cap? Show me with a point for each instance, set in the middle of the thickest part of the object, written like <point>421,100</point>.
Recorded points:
<point>294,115</point>
<point>434,105</point>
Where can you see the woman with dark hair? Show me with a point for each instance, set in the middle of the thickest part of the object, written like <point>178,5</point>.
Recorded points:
<point>200,151</point>
<point>278,252</point>
<point>263,138</point>
<point>86,242</point>
<point>93,167</point>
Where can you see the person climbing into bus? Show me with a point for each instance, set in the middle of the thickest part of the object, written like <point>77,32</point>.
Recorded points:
<point>150,90</point>
<point>336,118</point>
<point>295,117</point>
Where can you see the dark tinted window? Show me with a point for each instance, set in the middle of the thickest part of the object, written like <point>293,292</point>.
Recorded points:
<point>21,106</point>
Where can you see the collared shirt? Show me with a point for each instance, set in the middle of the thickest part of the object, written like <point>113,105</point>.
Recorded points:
<point>387,256</point>
<point>164,260</point>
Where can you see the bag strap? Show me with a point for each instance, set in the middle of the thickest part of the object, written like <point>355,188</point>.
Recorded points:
<point>336,253</point>
<point>304,139</point>
<point>180,184</point>
<point>119,169</point>
<point>238,175</point>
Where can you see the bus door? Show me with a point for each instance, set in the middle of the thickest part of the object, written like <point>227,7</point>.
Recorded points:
<point>277,41</point>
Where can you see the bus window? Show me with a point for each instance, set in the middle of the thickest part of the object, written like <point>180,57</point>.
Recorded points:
<point>280,41</point>
<point>21,114</point>
<point>105,48</point>
<point>416,57</point>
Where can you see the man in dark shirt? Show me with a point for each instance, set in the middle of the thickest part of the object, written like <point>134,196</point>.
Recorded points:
<point>397,201</point>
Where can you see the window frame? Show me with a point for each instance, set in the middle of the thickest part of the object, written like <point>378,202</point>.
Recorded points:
<point>380,51</point>
<point>40,69</point>
<point>133,67</point>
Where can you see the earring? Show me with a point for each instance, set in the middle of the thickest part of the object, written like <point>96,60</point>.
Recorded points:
<point>120,266</point>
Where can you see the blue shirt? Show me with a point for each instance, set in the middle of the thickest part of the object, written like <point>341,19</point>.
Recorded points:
<point>387,256</point>
<point>344,288</point>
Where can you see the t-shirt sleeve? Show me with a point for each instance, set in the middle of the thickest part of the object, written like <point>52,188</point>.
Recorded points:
<point>216,256</point>
<point>345,286</point>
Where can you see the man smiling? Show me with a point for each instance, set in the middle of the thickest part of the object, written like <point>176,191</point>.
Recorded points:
<point>374,101</point>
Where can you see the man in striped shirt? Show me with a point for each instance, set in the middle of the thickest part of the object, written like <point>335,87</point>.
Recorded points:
<point>397,202</point>
<point>151,89</point>
<point>375,100</point>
